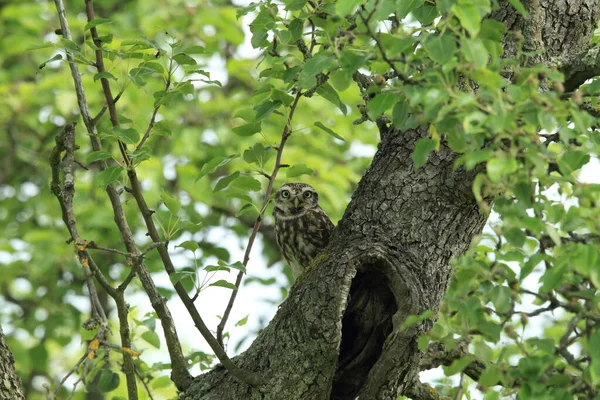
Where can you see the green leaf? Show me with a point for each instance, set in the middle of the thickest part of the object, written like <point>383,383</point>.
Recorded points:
<point>314,66</point>
<point>215,268</point>
<point>585,258</point>
<point>474,51</point>
<point>55,58</point>
<point>340,80</point>
<point>127,136</point>
<point>457,365</point>
<point>196,50</point>
<point>258,154</point>
<point>105,75</point>
<point>423,147</point>
<point>172,203</point>
<point>226,181</point>
<point>500,296</point>
<point>190,245</point>
<point>594,343</point>
<point>328,130</point>
<point>224,283</point>
<point>352,60</point>
<point>519,7</point>
<point>259,39</point>
<point>247,184</point>
<point>108,176</point>
<point>241,11</point>
<point>457,141</point>
<point>152,338</point>
<point>425,14</point>
<point>345,7</point>
<point>239,266</point>
<point>242,321</point>
<point>265,109</point>
<point>406,6</point>
<point>95,22</point>
<point>284,36</point>
<point>297,170</point>
<point>440,48</point>
<point>108,381</point>
<point>500,166</point>
<point>552,278</point>
<point>180,275</point>
<point>572,160</point>
<point>469,17</point>
<point>161,382</point>
<point>295,28</point>
<point>245,209</point>
<point>415,319</point>
<point>245,113</point>
<point>328,92</point>
<point>184,59</point>
<point>217,162</point>
<point>71,46</point>
<point>150,323</point>
<point>491,375</point>
<point>247,129</point>
<point>98,155</point>
<point>381,103</point>
<point>282,97</point>
<point>400,113</point>
<point>294,5</point>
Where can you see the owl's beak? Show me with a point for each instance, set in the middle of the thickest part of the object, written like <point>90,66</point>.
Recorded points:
<point>296,202</point>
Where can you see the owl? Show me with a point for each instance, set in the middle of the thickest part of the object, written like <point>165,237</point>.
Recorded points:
<point>302,228</point>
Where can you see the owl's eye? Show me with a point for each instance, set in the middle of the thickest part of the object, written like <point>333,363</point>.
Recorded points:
<point>285,194</point>
<point>308,195</point>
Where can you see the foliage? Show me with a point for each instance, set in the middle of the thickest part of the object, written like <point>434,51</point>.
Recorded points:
<point>202,115</point>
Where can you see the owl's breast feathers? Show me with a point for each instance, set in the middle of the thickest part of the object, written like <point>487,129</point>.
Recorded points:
<point>301,238</point>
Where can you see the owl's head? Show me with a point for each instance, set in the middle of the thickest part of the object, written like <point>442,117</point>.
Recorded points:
<point>294,199</point>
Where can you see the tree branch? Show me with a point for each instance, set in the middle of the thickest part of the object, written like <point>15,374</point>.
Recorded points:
<point>580,68</point>
<point>65,142</point>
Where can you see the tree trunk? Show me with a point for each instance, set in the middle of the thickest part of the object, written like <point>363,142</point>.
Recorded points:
<point>338,335</point>
<point>10,383</point>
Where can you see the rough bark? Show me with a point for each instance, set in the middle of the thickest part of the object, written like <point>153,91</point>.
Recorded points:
<point>10,383</point>
<point>338,335</point>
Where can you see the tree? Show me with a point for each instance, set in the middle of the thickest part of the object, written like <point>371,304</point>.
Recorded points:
<point>10,387</point>
<point>483,108</point>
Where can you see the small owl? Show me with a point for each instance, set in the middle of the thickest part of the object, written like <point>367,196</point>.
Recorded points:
<point>302,228</point>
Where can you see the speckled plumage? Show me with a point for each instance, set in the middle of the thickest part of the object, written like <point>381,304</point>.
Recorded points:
<point>302,228</point>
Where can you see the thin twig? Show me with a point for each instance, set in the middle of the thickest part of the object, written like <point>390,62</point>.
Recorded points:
<point>64,192</point>
<point>403,77</point>
<point>104,107</point>
<point>137,372</point>
<point>156,108</point>
<point>52,394</point>
<point>110,101</point>
<point>93,245</point>
<point>81,378</point>
<point>284,136</point>
<point>458,394</point>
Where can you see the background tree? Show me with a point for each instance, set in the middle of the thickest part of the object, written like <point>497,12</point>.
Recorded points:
<point>477,104</point>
